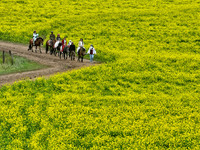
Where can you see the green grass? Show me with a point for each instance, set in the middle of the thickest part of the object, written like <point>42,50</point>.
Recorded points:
<point>20,65</point>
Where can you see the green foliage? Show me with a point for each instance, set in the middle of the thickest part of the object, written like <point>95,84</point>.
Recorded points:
<point>145,95</point>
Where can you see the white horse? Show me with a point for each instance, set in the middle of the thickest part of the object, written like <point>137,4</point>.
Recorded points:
<point>57,47</point>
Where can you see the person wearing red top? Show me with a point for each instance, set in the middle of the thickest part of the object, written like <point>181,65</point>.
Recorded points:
<point>64,43</point>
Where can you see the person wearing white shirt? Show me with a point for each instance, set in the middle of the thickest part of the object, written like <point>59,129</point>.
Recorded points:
<point>70,43</point>
<point>80,44</point>
<point>35,36</point>
<point>92,52</point>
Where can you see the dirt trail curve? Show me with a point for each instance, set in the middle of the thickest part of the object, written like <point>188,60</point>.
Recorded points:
<point>54,62</point>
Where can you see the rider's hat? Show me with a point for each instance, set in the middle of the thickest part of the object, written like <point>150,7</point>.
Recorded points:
<point>91,45</point>
<point>34,31</point>
<point>51,31</point>
<point>58,35</point>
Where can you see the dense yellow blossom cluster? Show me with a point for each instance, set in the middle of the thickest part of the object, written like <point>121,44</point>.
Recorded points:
<point>145,95</point>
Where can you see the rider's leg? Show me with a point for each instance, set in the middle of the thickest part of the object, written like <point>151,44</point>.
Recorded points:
<point>78,50</point>
<point>91,57</point>
<point>34,41</point>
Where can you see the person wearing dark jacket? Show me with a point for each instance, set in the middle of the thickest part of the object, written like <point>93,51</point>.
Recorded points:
<point>72,47</point>
<point>52,36</point>
<point>58,38</point>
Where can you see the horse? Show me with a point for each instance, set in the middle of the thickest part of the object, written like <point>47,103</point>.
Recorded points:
<point>57,48</point>
<point>38,42</point>
<point>72,55</point>
<point>65,52</point>
<point>81,54</point>
<point>50,44</point>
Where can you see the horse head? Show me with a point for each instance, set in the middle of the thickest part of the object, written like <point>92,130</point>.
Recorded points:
<point>40,40</point>
<point>83,51</point>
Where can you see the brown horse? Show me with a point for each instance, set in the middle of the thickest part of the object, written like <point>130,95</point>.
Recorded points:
<point>81,54</point>
<point>72,55</point>
<point>38,42</point>
<point>50,44</point>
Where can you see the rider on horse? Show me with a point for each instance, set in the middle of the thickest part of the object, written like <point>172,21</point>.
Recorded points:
<point>58,41</point>
<point>52,36</point>
<point>70,43</point>
<point>72,47</point>
<point>58,38</point>
<point>35,36</point>
<point>80,44</point>
<point>63,43</point>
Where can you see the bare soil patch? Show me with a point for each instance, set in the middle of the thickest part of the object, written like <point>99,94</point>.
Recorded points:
<point>54,62</point>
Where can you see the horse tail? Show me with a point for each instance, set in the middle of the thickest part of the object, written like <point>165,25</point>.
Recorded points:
<point>47,46</point>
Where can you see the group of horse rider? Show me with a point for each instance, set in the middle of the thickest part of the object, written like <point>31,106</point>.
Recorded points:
<point>71,45</point>
<point>91,51</point>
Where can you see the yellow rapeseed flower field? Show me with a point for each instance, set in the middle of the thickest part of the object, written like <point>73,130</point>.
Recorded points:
<point>145,94</point>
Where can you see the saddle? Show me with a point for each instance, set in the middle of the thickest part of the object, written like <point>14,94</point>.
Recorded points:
<point>50,42</point>
<point>35,41</point>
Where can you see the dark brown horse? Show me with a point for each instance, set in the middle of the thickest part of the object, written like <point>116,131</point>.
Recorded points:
<point>38,42</point>
<point>81,54</point>
<point>50,44</point>
<point>65,52</point>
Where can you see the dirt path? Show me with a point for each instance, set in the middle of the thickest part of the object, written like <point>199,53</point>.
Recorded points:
<point>54,62</point>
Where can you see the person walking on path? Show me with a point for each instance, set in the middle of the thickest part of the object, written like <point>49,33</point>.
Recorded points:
<point>92,52</point>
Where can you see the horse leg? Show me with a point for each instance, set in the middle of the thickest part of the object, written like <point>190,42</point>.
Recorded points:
<point>29,48</point>
<point>55,52</point>
<point>47,48</point>
<point>40,50</point>
<point>36,49</point>
<point>51,50</point>
<point>65,55</point>
<point>82,59</point>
